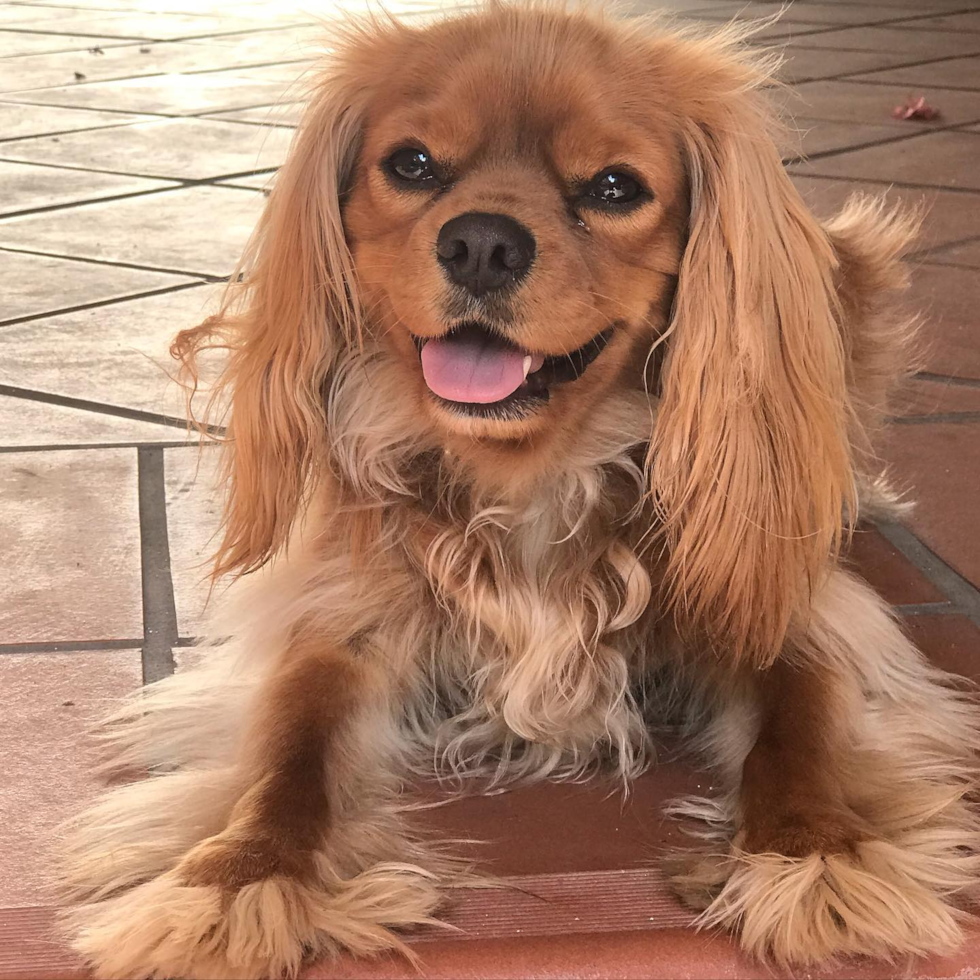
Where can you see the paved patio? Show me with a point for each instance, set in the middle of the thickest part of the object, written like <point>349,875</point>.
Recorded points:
<point>136,137</point>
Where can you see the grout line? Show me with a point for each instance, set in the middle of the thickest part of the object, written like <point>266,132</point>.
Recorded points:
<point>950,418</point>
<point>947,379</point>
<point>6,100</point>
<point>184,181</point>
<point>926,609</point>
<point>163,290</point>
<point>246,122</point>
<point>801,29</point>
<point>901,184</point>
<point>159,608</point>
<point>848,76</point>
<point>82,84</point>
<point>206,277</point>
<point>853,80</point>
<point>64,132</point>
<point>69,646</point>
<point>55,448</point>
<point>957,589</point>
<point>46,208</point>
<point>934,251</point>
<point>899,137</point>
<point>122,38</point>
<point>66,401</point>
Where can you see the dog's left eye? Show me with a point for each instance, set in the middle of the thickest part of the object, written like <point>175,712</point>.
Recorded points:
<point>411,165</point>
<point>613,187</point>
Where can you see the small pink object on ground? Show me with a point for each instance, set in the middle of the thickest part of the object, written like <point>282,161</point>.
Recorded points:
<point>915,107</point>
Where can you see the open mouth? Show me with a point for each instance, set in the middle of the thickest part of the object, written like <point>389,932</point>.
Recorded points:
<point>478,372</point>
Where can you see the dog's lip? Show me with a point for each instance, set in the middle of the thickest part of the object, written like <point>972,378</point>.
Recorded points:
<point>555,368</point>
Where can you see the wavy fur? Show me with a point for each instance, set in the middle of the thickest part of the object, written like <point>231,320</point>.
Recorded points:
<point>521,595</point>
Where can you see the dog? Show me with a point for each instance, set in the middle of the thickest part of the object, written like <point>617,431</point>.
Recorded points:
<point>550,408</point>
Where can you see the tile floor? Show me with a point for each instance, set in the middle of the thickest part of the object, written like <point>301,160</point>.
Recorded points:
<point>135,139</point>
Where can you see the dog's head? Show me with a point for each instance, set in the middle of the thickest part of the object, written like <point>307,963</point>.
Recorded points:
<point>515,210</point>
<point>516,217</point>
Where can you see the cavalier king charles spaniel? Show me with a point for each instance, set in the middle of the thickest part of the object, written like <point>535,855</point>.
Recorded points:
<point>549,410</point>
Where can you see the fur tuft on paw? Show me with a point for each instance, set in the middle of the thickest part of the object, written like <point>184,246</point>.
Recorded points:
<point>164,929</point>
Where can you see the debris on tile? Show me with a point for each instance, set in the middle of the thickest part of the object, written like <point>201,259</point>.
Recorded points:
<point>915,107</point>
<point>144,50</point>
<point>96,50</point>
<point>79,77</point>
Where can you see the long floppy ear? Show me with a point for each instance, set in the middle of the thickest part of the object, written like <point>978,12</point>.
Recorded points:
<point>293,313</point>
<point>749,461</point>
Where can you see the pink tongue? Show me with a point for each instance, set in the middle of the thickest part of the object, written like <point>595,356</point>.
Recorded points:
<point>472,369</point>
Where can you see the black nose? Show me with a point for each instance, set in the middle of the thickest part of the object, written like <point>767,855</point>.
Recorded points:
<point>484,252</point>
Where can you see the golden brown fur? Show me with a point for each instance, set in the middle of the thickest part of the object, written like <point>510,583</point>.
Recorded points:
<point>504,594</point>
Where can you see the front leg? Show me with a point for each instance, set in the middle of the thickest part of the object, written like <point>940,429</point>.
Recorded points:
<point>791,797</point>
<point>294,752</point>
<point>310,858</point>
<point>848,823</point>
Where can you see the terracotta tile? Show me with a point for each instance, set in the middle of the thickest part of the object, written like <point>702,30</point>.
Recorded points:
<point>302,41</point>
<point>803,64</point>
<point>846,101</point>
<point>259,182</point>
<point>26,186</point>
<point>948,215</point>
<point>180,148</point>
<point>293,75</point>
<point>946,159</point>
<point>124,60</point>
<point>50,701</point>
<point>151,26</point>
<point>12,15</point>
<point>657,954</point>
<point>177,95</point>
<point>950,642</point>
<point>547,828</point>
<point>918,44</point>
<point>966,254</point>
<point>924,397</point>
<point>276,114</point>
<point>195,229</point>
<point>888,571</point>
<point>823,136</point>
<point>941,466</point>
<point>123,347</point>
<point>31,423</point>
<point>194,505</point>
<point>71,528</point>
<point>33,120</point>
<point>36,284</point>
<point>826,14</point>
<point>955,73</point>
<point>30,947</point>
<point>949,300</point>
<point>958,22</point>
<point>23,41</point>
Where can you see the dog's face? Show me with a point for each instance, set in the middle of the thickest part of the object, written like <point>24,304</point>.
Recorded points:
<point>516,218</point>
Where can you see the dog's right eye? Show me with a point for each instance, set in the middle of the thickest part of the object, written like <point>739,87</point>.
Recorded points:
<point>412,166</point>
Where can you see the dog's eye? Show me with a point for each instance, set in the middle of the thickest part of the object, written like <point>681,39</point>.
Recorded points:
<point>612,187</point>
<point>412,165</point>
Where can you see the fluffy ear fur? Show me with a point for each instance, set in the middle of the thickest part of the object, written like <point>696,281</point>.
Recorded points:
<point>293,313</point>
<point>749,460</point>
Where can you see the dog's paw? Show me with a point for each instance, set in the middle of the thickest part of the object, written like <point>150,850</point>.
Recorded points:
<point>860,897</point>
<point>233,909</point>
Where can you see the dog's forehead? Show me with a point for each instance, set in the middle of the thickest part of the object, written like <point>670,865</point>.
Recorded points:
<point>516,82</point>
